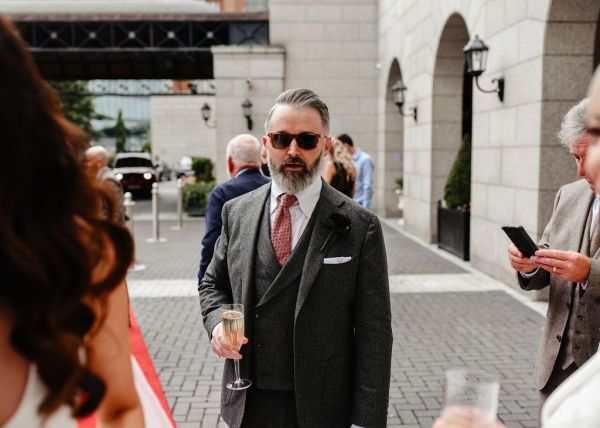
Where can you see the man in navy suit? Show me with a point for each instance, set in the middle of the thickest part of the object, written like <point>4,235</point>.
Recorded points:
<point>243,159</point>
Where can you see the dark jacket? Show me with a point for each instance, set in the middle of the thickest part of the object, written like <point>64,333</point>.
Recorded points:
<point>237,186</point>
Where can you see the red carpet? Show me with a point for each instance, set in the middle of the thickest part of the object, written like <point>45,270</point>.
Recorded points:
<point>140,352</point>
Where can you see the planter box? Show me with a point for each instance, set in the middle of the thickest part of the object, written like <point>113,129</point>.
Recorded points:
<point>453,231</point>
<point>196,211</point>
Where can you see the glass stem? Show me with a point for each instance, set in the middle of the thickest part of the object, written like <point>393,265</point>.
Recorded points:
<point>236,366</point>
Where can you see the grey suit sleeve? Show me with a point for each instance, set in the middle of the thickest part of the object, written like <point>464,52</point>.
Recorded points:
<point>373,333</point>
<point>215,288</point>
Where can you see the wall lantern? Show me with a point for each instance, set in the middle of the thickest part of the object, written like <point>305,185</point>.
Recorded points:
<point>476,53</point>
<point>398,90</point>
<point>206,115</point>
<point>247,110</point>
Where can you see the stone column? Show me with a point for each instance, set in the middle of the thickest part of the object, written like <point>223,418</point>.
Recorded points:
<point>255,73</point>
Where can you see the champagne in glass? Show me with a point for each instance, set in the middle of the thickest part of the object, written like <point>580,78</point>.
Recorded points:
<point>232,317</point>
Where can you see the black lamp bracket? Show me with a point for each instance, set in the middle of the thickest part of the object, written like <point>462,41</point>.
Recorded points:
<point>499,89</point>
<point>412,112</point>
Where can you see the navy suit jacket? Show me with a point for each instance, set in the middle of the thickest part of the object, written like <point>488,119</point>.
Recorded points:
<point>237,186</point>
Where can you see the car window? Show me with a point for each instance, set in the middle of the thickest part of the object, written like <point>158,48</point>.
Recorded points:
<point>133,162</point>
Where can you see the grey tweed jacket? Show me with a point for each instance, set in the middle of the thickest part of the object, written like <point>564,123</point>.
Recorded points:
<point>342,328</point>
<point>566,231</point>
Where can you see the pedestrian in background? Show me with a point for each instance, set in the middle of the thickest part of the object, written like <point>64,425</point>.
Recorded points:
<point>243,159</point>
<point>340,171</point>
<point>96,162</point>
<point>64,344</point>
<point>365,171</point>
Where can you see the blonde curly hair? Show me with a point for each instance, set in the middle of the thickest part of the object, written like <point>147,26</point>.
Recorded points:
<point>338,152</point>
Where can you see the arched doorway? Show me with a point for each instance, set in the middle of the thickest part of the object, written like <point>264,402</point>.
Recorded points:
<point>571,52</point>
<point>391,157</point>
<point>451,111</point>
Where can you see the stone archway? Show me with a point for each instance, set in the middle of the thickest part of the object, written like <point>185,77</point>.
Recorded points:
<point>391,158</point>
<point>571,51</point>
<point>450,108</point>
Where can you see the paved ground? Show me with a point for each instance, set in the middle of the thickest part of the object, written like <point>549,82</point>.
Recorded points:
<point>444,316</point>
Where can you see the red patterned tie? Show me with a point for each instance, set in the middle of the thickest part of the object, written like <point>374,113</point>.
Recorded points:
<point>281,235</point>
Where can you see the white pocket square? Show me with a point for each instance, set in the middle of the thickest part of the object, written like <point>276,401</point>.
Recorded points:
<point>336,260</point>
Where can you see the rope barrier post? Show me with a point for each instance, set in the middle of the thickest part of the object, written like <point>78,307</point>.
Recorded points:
<point>155,217</point>
<point>179,205</point>
<point>128,204</point>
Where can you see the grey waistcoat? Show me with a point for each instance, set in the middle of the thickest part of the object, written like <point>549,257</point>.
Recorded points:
<point>576,346</point>
<point>275,293</point>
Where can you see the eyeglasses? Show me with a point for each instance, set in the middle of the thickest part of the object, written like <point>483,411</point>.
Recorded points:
<point>306,140</point>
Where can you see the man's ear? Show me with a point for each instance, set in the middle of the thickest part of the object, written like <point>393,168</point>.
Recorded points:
<point>327,146</point>
<point>230,165</point>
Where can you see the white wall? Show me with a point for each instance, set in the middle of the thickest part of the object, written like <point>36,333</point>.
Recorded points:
<point>234,66</point>
<point>177,128</point>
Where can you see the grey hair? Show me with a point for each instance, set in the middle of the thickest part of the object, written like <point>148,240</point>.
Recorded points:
<point>573,124</point>
<point>245,149</point>
<point>98,152</point>
<point>301,98</point>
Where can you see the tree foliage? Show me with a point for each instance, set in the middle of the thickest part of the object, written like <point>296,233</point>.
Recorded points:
<point>457,192</point>
<point>121,133</point>
<point>77,104</point>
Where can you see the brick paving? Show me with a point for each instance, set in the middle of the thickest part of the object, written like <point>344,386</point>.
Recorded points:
<point>433,331</point>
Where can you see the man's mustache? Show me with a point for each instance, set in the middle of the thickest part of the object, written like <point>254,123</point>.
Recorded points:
<point>293,161</point>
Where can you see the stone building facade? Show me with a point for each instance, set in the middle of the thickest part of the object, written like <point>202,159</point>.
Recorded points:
<point>545,50</point>
<point>352,51</point>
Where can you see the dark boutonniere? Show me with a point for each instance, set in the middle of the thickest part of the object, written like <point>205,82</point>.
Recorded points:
<point>337,223</point>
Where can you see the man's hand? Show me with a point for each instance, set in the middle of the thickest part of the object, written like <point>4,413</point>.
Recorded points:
<point>518,262</point>
<point>222,347</point>
<point>568,265</point>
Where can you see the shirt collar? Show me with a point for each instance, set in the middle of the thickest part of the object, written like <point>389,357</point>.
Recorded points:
<point>241,171</point>
<point>307,199</point>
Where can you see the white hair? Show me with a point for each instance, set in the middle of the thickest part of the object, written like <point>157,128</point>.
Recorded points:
<point>573,124</point>
<point>97,153</point>
<point>245,149</point>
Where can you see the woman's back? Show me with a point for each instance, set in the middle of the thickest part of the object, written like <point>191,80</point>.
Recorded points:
<point>341,181</point>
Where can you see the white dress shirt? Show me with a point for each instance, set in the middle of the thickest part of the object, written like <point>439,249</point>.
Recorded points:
<point>300,211</point>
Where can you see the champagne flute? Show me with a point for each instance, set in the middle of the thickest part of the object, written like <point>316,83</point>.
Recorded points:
<point>470,399</point>
<point>232,317</point>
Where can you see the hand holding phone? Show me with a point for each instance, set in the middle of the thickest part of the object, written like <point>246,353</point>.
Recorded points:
<point>521,239</point>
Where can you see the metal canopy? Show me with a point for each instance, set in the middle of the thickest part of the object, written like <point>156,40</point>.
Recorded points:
<point>130,48</point>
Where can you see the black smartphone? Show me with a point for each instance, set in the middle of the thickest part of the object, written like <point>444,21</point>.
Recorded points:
<point>521,239</point>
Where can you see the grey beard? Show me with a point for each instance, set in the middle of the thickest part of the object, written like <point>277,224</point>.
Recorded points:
<point>296,182</point>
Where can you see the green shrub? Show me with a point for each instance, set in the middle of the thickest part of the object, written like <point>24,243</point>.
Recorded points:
<point>195,195</point>
<point>457,192</point>
<point>399,184</point>
<point>203,169</point>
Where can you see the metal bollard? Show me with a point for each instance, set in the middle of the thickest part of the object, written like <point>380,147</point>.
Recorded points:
<point>179,205</point>
<point>128,203</point>
<point>155,216</point>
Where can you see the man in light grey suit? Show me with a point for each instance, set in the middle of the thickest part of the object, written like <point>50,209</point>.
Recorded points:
<point>309,266</point>
<point>568,264</point>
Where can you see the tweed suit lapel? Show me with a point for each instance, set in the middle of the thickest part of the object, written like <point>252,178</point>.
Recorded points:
<point>329,201</point>
<point>249,232</point>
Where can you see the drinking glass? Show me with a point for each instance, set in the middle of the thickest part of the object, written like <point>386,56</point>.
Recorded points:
<point>470,399</point>
<point>232,317</point>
